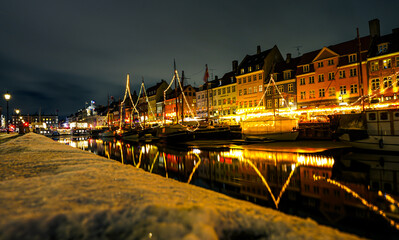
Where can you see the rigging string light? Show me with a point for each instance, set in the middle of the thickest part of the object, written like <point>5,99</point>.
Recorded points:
<point>146,96</point>
<point>127,91</point>
<point>164,96</point>
<point>362,200</point>
<point>189,108</point>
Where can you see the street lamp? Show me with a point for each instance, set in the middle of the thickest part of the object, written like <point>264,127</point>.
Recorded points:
<point>7,97</point>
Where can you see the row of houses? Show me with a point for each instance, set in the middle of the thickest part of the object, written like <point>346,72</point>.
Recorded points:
<point>348,76</point>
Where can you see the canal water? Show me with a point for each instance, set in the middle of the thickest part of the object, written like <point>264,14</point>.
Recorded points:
<point>355,192</point>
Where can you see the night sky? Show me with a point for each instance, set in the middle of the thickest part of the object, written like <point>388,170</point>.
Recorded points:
<point>58,55</point>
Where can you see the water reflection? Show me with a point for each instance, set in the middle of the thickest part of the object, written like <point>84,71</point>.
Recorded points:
<point>354,189</point>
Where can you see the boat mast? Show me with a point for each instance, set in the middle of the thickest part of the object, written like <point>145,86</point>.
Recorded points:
<point>176,110</point>
<point>207,92</point>
<point>360,78</point>
<point>142,85</point>
<point>182,96</point>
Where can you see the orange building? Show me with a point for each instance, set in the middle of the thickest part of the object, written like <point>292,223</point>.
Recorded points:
<point>332,76</point>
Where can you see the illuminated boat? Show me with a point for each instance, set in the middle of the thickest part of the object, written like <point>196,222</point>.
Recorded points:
<point>372,130</point>
<point>270,127</point>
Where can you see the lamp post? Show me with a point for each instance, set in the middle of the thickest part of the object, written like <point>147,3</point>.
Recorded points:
<point>7,97</point>
<point>17,119</point>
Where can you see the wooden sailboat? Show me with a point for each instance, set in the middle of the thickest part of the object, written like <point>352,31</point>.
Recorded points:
<point>272,127</point>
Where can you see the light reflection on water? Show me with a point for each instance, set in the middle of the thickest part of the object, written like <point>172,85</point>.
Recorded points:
<point>300,183</point>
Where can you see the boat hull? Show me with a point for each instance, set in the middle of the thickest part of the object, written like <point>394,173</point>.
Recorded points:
<point>374,143</point>
<point>279,136</point>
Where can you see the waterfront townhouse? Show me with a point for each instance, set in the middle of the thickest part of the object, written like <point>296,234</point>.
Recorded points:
<point>155,95</point>
<point>224,96</point>
<point>331,76</point>
<point>281,95</point>
<point>204,100</point>
<point>383,65</point>
<point>251,75</point>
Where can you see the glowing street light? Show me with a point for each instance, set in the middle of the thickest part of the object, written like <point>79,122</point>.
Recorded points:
<point>7,97</point>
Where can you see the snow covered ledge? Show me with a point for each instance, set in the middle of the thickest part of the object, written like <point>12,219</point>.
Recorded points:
<point>52,191</point>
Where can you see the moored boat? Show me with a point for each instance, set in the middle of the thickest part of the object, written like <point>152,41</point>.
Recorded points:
<point>270,127</point>
<point>372,130</point>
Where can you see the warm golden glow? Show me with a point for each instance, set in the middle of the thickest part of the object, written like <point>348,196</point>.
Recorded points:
<point>362,200</point>
<point>195,167</point>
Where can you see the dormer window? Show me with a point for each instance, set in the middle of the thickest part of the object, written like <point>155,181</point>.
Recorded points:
<point>242,70</point>
<point>306,68</point>
<point>249,69</point>
<point>382,48</point>
<point>257,66</point>
<point>352,58</point>
<point>287,75</point>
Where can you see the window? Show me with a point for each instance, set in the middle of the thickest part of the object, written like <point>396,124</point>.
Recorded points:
<point>250,90</point>
<point>311,79</point>
<point>257,66</point>
<point>242,70</point>
<point>387,82</point>
<point>239,92</point>
<point>233,88</point>
<point>321,77</point>
<point>281,88</point>
<point>249,78</point>
<point>374,66</point>
<point>269,91</point>
<point>220,102</point>
<point>290,87</point>
<point>352,72</point>
<point>214,103</point>
<point>260,88</point>
<point>302,81</point>
<point>276,102</point>
<point>321,92</point>
<point>331,76</point>
<point>219,91</point>
<point>269,103</point>
<point>245,91</point>
<point>342,90</point>
<point>303,95</point>
<point>352,58</point>
<point>260,76</point>
<point>224,90</point>
<point>306,68</point>
<point>228,89</point>
<point>342,74</point>
<point>255,77</point>
<point>331,92</point>
<point>244,80</point>
<point>311,94</point>
<point>287,75</point>
<point>320,64</point>
<point>386,63</point>
<point>330,62</point>
<point>249,69</point>
<point>353,88</point>
<point>234,99</point>
<point>214,92</point>
<point>375,84</point>
<point>239,81</point>
<point>382,48</point>
<point>255,89</point>
<point>397,61</point>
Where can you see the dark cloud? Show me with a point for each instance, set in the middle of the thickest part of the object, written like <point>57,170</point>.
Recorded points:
<point>61,54</point>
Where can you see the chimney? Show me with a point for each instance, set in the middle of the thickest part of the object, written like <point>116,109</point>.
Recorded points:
<point>235,65</point>
<point>216,77</point>
<point>374,26</point>
<point>288,60</point>
<point>258,49</point>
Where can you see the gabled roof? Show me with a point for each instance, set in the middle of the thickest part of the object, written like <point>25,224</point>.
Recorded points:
<point>154,88</point>
<point>393,44</point>
<point>324,54</point>
<point>284,66</point>
<point>253,60</point>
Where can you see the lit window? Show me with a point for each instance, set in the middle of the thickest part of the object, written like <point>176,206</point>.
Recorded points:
<point>242,70</point>
<point>260,88</point>
<point>245,91</point>
<point>342,90</point>
<point>249,78</point>
<point>311,94</point>
<point>249,69</point>
<point>387,82</point>
<point>386,63</point>
<point>260,76</point>
<point>250,90</point>
<point>255,77</point>
<point>287,75</point>
<point>255,89</point>
<point>257,66</point>
<point>375,84</point>
<point>321,92</point>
